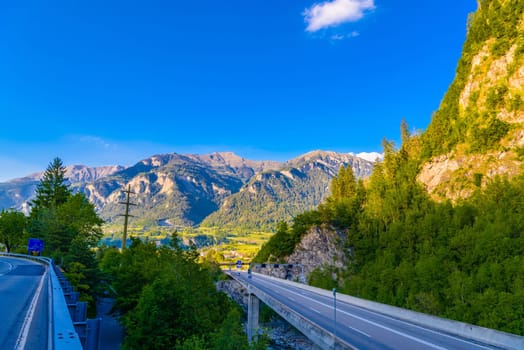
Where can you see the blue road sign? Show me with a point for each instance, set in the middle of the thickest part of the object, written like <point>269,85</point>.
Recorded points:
<point>35,245</point>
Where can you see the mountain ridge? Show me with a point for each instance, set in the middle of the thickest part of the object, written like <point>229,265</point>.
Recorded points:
<point>186,189</point>
<point>278,195</point>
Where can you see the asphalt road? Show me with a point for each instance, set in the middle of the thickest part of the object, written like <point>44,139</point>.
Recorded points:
<point>359,327</point>
<point>23,316</point>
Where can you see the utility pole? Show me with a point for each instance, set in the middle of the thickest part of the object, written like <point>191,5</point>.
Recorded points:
<point>126,216</point>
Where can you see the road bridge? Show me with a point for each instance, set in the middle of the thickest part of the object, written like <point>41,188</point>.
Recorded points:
<point>352,323</point>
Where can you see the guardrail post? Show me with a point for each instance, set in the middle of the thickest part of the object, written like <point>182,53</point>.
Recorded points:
<point>93,334</point>
<point>78,311</point>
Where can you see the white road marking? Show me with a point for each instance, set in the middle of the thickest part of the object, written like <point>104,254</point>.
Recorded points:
<point>10,269</point>
<point>431,331</point>
<point>458,339</point>
<point>359,331</point>
<point>318,312</point>
<point>24,331</point>
<point>418,340</point>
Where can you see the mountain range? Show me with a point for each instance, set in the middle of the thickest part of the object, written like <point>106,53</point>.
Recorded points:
<point>218,189</point>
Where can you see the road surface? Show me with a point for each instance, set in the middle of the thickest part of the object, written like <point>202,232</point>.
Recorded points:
<point>23,304</point>
<point>359,327</point>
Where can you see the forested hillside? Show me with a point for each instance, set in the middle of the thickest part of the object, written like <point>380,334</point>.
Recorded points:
<point>461,257</point>
<point>277,195</point>
<point>462,261</point>
<point>477,132</point>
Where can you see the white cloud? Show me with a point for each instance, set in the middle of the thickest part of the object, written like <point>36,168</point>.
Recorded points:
<point>338,37</point>
<point>95,140</point>
<point>335,12</point>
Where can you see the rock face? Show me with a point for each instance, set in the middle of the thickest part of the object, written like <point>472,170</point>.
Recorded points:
<point>320,247</point>
<point>453,176</point>
<point>235,291</point>
<point>81,173</point>
<point>171,188</point>
<point>481,118</point>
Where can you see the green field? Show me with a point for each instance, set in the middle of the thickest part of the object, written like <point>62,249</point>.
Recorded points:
<point>222,246</point>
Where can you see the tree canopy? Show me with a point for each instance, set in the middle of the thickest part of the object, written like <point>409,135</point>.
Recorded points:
<point>463,261</point>
<point>168,299</point>
<point>12,229</point>
<point>70,228</point>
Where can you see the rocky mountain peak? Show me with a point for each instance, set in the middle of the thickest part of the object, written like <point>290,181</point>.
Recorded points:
<point>83,173</point>
<point>215,189</point>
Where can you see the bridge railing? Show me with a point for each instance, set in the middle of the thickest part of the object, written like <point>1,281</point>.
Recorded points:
<point>61,332</point>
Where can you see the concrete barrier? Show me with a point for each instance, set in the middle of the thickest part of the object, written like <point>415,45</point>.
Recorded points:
<point>461,329</point>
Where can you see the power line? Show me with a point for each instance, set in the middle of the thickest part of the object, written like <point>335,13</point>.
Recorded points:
<point>126,216</point>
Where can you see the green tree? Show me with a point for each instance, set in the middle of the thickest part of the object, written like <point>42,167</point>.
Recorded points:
<point>12,226</point>
<point>70,228</point>
<point>166,296</point>
<point>343,186</point>
<point>44,223</point>
<point>60,217</point>
<point>52,191</point>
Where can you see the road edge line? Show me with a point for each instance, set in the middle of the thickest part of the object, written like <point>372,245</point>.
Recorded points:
<point>24,331</point>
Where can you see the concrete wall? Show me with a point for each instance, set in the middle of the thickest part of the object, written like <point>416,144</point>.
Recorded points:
<point>461,329</point>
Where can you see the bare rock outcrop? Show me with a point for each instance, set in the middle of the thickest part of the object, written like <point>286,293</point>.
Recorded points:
<point>319,247</point>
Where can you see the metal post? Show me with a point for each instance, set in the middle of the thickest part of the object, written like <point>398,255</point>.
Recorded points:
<point>334,314</point>
<point>302,276</point>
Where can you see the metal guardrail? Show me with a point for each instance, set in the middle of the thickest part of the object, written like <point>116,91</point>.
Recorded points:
<point>61,333</point>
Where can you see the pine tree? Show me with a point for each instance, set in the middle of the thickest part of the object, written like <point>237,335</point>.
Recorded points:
<point>59,217</point>
<point>52,191</point>
<point>343,186</point>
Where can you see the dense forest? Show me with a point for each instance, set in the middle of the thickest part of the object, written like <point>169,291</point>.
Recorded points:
<point>463,261</point>
<point>168,299</point>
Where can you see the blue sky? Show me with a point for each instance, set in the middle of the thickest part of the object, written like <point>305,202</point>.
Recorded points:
<point>111,82</point>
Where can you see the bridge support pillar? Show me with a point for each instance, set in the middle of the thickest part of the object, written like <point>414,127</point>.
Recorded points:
<point>253,308</point>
